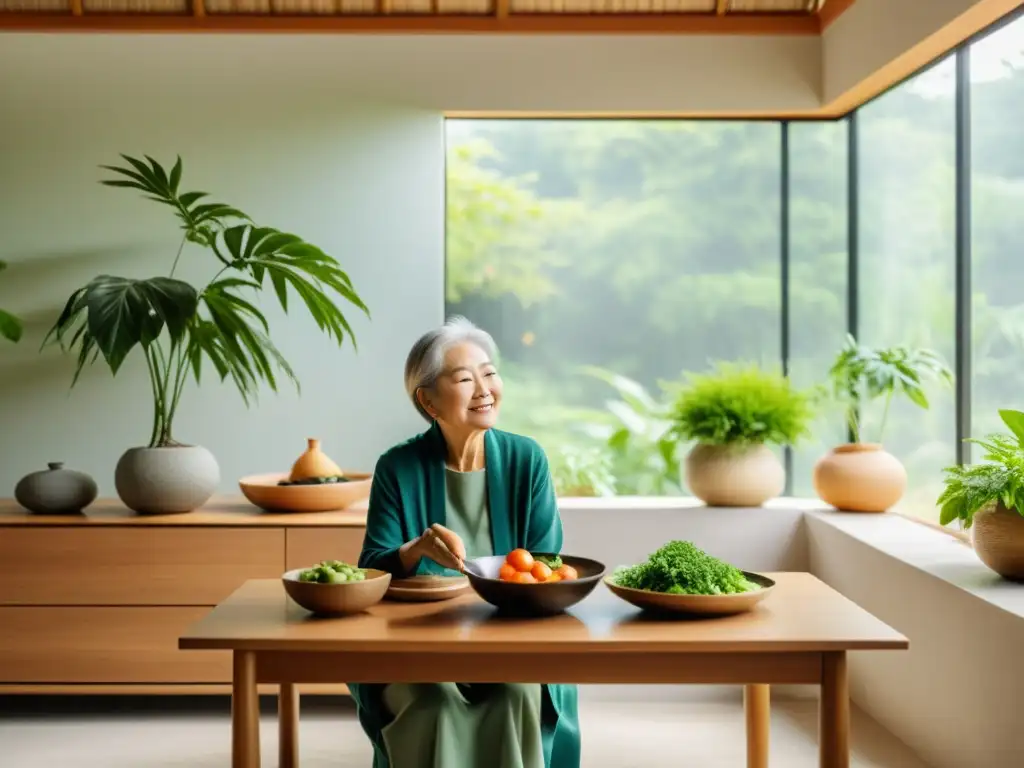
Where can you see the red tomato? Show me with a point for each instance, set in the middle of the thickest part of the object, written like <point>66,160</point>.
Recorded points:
<point>507,572</point>
<point>520,559</point>
<point>540,571</point>
<point>567,572</point>
<point>524,577</point>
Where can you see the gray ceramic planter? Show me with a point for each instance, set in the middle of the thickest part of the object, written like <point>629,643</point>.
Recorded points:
<point>166,480</point>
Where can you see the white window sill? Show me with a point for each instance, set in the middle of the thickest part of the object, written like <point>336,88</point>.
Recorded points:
<point>934,552</point>
<point>673,502</point>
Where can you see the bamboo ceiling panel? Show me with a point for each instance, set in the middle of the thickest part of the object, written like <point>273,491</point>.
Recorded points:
<point>416,7</point>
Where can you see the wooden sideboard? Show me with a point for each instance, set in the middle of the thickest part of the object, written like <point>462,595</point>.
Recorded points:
<point>94,603</point>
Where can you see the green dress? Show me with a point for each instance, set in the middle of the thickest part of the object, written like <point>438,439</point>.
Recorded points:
<point>463,725</point>
<point>410,493</point>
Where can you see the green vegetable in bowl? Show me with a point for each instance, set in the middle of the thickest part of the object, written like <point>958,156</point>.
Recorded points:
<point>681,568</point>
<point>323,480</point>
<point>554,562</point>
<point>333,572</point>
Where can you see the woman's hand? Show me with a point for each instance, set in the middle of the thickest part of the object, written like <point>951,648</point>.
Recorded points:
<point>443,546</point>
<point>437,543</point>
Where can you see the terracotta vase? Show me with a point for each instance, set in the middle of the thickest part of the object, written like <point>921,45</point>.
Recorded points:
<point>860,477</point>
<point>734,476</point>
<point>998,536</point>
<point>313,463</point>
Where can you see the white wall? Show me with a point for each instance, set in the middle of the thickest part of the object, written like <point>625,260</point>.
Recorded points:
<point>363,181</point>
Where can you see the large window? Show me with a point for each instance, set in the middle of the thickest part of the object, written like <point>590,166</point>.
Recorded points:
<point>818,241</point>
<point>997,234</point>
<point>610,257</point>
<point>607,257</point>
<point>906,263</point>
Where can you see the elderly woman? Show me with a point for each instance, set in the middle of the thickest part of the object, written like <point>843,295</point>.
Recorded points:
<point>482,492</point>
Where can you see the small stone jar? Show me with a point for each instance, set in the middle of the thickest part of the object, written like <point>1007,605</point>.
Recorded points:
<point>56,491</point>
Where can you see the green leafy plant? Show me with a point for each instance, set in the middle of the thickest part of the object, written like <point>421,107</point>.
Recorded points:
<point>636,429</point>
<point>1000,479</point>
<point>582,471</point>
<point>10,326</point>
<point>861,374</point>
<point>740,404</point>
<point>181,328</point>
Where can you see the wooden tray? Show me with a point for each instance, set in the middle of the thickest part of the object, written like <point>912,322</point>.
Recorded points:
<point>424,589</point>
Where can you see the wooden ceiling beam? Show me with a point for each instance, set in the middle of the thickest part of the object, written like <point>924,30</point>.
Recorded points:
<point>532,24</point>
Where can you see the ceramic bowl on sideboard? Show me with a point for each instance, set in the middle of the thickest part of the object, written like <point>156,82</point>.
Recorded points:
<point>532,599</point>
<point>266,493</point>
<point>337,599</point>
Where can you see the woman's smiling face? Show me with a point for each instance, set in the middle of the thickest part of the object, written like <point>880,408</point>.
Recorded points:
<point>467,394</point>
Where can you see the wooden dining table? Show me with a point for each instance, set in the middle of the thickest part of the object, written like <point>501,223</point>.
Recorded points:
<point>800,634</point>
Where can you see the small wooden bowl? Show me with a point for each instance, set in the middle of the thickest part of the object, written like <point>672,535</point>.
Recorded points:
<point>427,588</point>
<point>337,599</point>
<point>265,493</point>
<point>695,605</point>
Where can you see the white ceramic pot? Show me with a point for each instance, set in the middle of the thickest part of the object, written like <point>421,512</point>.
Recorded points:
<point>166,480</point>
<point>734,476</point>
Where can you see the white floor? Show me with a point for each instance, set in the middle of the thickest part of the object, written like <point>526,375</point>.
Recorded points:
<point>172,732</point>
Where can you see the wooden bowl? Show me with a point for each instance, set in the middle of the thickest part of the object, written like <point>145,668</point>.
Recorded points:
<point>427,588</point>
<point>532,599</point>
<point>695,605</point>
<point>337,599</point>
<point>264,492</point>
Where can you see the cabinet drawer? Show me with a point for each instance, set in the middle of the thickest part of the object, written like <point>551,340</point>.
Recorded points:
<point>104,645</point>
<point>307,546</point>
<point>132,566</point>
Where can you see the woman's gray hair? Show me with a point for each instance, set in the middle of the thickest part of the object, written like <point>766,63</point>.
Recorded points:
<point>425,362</point>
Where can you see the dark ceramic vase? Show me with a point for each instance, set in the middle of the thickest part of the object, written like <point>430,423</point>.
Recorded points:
<point>56,491</point>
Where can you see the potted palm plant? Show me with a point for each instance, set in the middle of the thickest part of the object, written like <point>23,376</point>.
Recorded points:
<point>10,326</point>
<point>988,499</point>
<point>734,413</point>
<point>862,476</point>
<point>181,329</point>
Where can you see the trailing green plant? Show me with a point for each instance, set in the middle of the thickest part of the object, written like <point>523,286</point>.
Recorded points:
<point>1000,479</point>
<point>582,471</point>
<point>10,326</point>
<point>740,404</point>
<point>861,374</point>
<point>180,328</point>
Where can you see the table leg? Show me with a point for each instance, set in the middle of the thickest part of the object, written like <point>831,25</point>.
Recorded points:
<point>834,712</point>
<point>288,725</point>
<point>245,712</point>
<point>758,709</point>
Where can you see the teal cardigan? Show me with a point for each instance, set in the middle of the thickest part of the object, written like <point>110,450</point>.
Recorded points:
<point>408,496</point>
